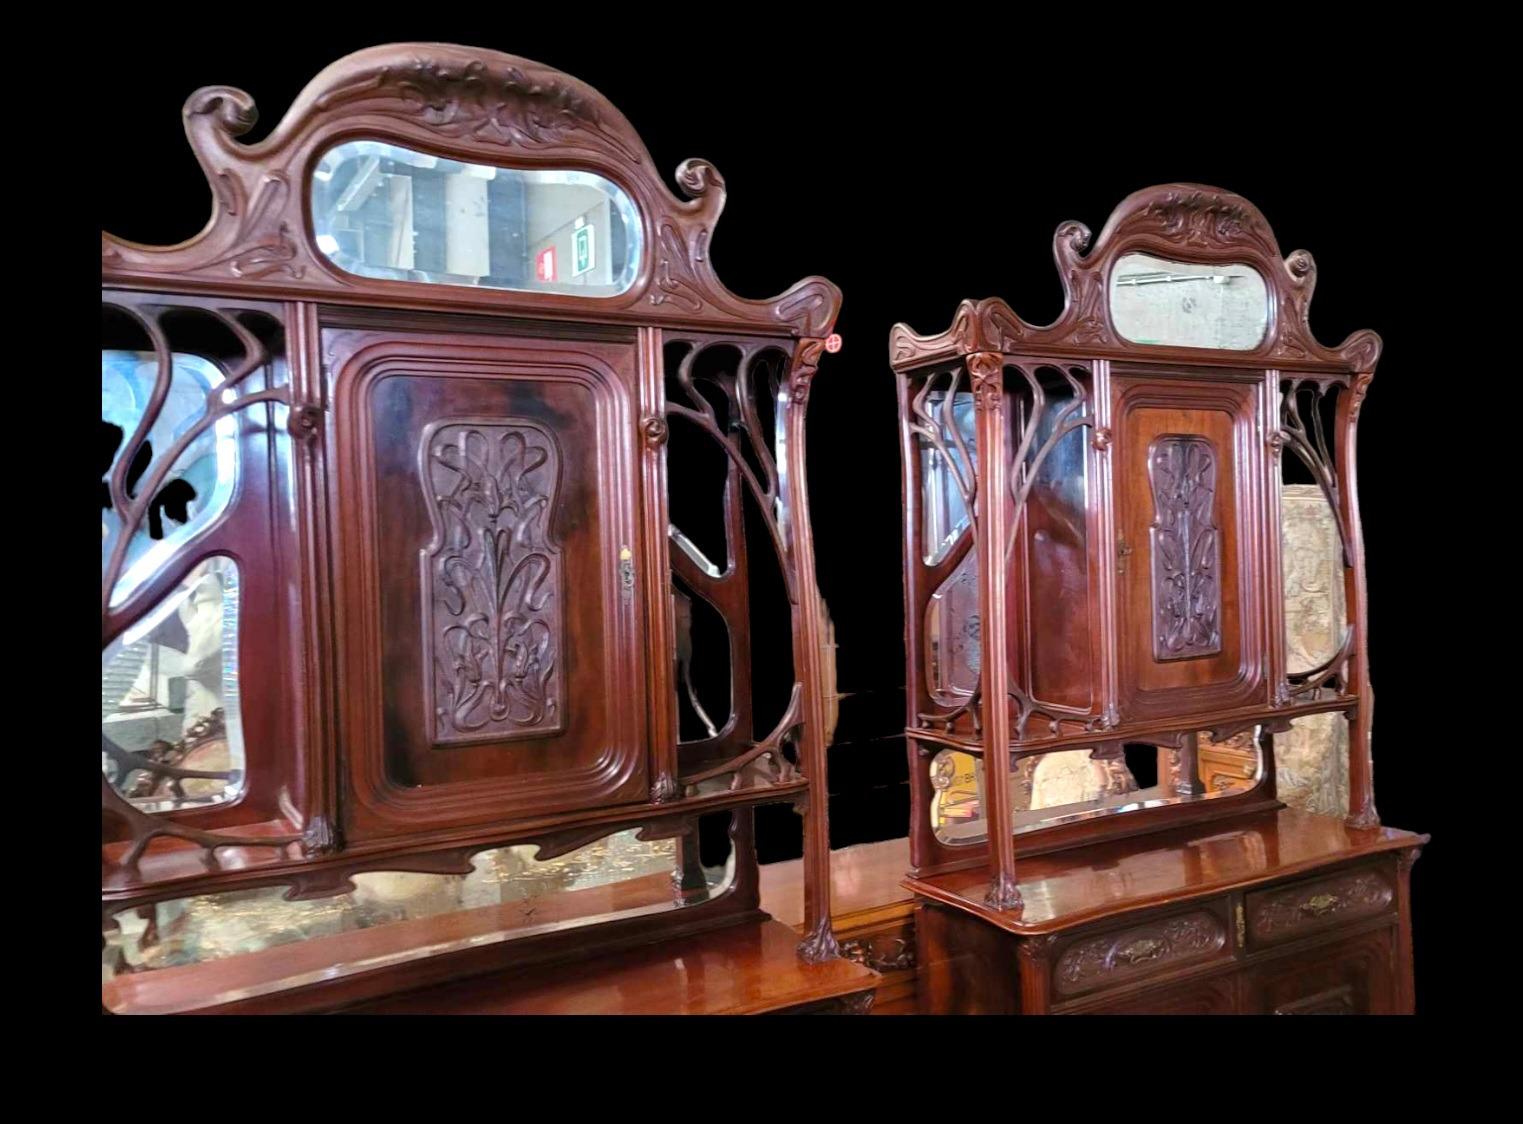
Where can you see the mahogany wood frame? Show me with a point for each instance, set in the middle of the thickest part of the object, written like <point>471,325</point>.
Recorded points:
<point>257,254</point>
<point>987,341</point>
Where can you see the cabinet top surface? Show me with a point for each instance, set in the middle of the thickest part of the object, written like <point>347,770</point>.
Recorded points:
<point>745,969</point>
<point>1090,883</point>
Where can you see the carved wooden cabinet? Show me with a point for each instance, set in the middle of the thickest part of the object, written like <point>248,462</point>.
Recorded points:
<point>1098,606</point>
<point>400,602</point>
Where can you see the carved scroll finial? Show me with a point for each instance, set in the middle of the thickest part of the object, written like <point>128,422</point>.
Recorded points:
<point>698,177</point>
<point>231,110</point>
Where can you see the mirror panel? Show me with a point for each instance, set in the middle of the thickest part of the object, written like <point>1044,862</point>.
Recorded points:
<point>201,482</point>
<point>1065,786</point>
<point>1181,304</point>
<point>220,947</point>
<point>382,210</point>
<point>944,516</point>
<point>171,720</point>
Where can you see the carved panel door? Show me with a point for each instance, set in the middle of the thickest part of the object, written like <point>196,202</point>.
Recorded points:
<point>484,502</point>
<point>1188,486</point>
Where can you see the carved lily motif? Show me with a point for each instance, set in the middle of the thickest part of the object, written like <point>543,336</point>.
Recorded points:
<point>493,580</point>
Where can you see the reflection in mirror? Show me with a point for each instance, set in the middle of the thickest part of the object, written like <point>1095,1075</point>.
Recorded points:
<point>171,725</point>
<point>200,484</point>
<point>1064,786</point>
<point>944,513</point>
<point>953,655</point>
<point>158,955</point>
<point>1311,554</point>
<point>1180,304</point>
<point>381,210</point>
<point>705,687</point>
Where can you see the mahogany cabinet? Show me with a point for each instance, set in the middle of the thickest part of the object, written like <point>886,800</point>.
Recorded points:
<point>1096,619</point>
<point>438,468</point>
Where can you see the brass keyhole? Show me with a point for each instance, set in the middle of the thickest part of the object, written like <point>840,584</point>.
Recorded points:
<point>1122,550</point>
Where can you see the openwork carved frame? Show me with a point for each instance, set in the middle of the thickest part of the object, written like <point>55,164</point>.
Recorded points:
<point>257,248</point>
<point>1181,222</point>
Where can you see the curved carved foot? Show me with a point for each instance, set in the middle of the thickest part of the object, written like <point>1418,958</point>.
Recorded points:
<point>319,838</point>
<point>819,945</point>
<point>1004,894</point>
<point>1364,817</point>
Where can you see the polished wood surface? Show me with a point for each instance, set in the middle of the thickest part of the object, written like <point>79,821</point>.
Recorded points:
<point>455,507</point>
<point>1105,879</point>
<point>863,880</point>
<point>741,970</point>
<point>872,914</point>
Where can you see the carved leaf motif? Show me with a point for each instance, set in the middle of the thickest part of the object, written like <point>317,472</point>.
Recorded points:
<point>492,580</point>
<point>1187,596</point>
<point>1114,957</point>
<point>1283,913</point>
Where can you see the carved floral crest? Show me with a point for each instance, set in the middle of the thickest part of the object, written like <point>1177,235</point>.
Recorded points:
<point>468,104</point>
<point>1186,221</point>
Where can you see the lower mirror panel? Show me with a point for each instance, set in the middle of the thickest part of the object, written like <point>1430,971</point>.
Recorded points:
<point>1065,786</point>
<point>188,953</point>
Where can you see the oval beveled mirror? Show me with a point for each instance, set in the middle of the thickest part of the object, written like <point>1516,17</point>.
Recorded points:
<point>1181,304</point>
<point>382,210</point>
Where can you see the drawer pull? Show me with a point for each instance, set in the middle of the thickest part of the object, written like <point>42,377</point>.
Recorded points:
<point>1139,952</point>
<point>1320,905</point>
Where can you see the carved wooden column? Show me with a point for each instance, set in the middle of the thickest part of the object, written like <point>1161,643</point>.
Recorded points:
<point>1406,995</point>
<point>1361,779</point>
<point>991,532</point>
<point>661,639</point>
<point>819,941</point>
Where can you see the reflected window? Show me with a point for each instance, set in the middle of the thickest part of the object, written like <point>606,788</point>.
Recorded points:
<point>1179,304</point>
<point>381,210</point>
<point>200,484</point>
<point>944,513</point>
<point>171,725</point>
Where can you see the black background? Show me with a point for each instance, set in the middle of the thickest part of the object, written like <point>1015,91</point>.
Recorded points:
<point>915,171</point>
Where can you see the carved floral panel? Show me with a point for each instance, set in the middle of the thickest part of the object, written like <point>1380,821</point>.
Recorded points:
<point>1186,548</point>
<point>1281,914</point>
<point>1116,957</point>
<point>492,580</point>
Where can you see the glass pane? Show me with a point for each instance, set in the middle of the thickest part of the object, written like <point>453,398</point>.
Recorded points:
<point>199,486</point>
<point>944,513</point>
<point>380,210</point>
<point>163,957</point>
<point>1079,784</point>
<point>953,636</point>
<point>1311,562</point>
<point>1155,301</point>
<point>170,716</point>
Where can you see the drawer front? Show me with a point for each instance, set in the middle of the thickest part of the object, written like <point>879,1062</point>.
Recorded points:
<point>887,947</point>
<point>1216,996</point>
<point>1091,962</point>
<point>1352,977</point>
<point>1303,908</point>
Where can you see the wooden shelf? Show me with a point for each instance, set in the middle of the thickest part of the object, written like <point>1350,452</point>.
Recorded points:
<point>1088,883</point>
<point>742,970</point>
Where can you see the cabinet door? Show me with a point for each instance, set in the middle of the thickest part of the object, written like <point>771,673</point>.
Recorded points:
<point>1188,484</point>
<point>484,507</point>
<point>1352,977</point>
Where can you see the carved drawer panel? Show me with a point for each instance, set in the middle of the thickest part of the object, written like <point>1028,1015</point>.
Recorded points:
<point>1163,945</point>
<point>1309,907</point>
<point>889,949</point>
<point>1215,996</point>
